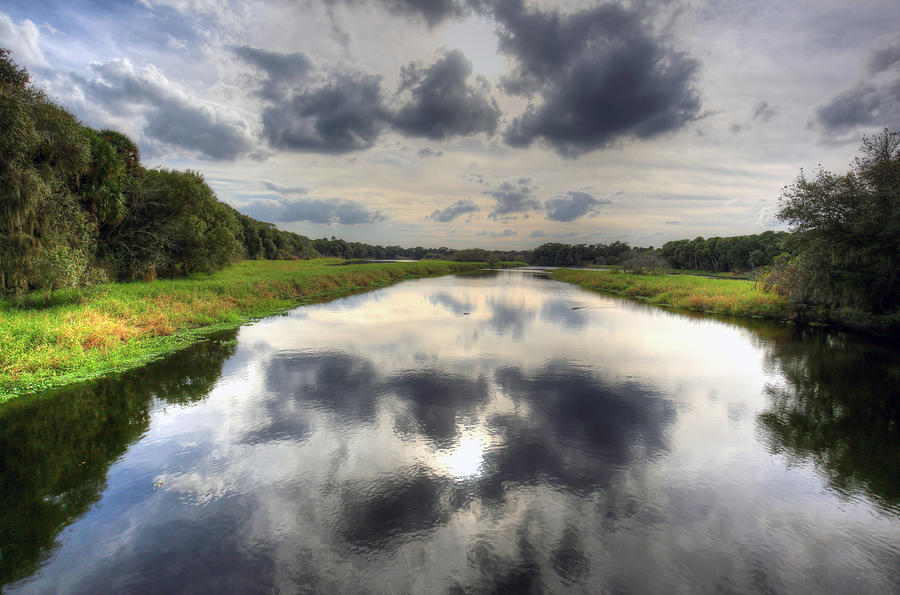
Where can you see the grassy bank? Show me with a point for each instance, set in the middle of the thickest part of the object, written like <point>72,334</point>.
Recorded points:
<point>122,325</point>
<point>720,296</point>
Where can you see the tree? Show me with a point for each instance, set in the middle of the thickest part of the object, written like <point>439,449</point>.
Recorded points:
<point>847,231</point>
<point>43,149</point>
<point>193,230</point>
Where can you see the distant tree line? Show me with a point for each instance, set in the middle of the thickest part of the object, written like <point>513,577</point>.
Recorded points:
<point>566,255</point>
<point>342,249</point>
<point>736,253</point>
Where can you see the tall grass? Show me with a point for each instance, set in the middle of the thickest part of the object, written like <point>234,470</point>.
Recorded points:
<point>719,296</point>
<point>118,326</point>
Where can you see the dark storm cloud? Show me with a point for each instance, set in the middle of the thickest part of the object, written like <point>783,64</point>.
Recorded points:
<point>194,128</point>
<point>284,189</point>
<point>513,197</point>
<point>600,74</point>
<point>444,103</point>
<point>315,210</point>
<point>170,117</point>
<point>764,111</point>
<point>866,104</point>
<point>429,152</point>
<point>432,12</point>
<point>280,70</point>
<point>873,101</point>
<point>347,112</point>
<point>573,205</point>
<point>344,115</point>
<point>454,211</point>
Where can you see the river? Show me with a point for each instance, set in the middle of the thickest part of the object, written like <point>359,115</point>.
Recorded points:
<point>493,432</point>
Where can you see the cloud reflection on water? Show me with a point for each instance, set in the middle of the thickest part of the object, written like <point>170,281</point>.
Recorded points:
<point>389,442</point>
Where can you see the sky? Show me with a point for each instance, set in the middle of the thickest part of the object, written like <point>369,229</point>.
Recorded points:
<point>501,124</point>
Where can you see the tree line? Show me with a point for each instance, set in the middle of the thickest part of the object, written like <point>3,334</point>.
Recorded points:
<point>729,254</point>
<point>79,207</point>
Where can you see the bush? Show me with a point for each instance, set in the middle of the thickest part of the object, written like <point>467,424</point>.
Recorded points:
<point>645,263</point>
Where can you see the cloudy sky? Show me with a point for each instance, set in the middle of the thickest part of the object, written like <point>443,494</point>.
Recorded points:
<point>496,123</point>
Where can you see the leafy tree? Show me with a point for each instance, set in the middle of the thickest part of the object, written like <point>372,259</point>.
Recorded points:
<point>127,150</point>
<point>847,231</point>
<point>184,223</point>
<point>101,187</point>
<point>42,150</point>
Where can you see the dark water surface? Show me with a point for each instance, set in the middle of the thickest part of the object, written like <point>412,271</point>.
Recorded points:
<point>484,433</point>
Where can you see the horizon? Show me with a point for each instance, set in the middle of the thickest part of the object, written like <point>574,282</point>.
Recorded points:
<point>505,126</point>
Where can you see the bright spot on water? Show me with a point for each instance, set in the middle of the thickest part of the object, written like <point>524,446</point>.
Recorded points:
<point>466,459</point>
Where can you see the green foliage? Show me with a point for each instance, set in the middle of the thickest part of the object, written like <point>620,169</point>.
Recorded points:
<point>70,190</point>
<point>565,255</point>
<point>126,149</point>
<point>101,187</point>
<point>61,267</point>
<point>263,240</point>
<point>176,226</point>
<point>736,253</point>
<point>63,149</point>
<point>42,149</point>
<point>476,255</point>
<point>846,233</point>
<point>644,263</point>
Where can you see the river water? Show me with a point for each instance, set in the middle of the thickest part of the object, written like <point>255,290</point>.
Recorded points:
<point>496,432</point>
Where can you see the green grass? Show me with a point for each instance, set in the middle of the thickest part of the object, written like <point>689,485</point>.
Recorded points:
<point>718,275</point>
<point>123,325</point>
<point>718,296</point>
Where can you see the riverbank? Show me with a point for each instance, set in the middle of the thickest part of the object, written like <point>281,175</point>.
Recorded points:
<point>78,336</point>
<point>733,297</point>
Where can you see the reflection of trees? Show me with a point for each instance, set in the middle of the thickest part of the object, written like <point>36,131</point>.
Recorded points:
<point>839,407</point>
<point>56,448</point>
